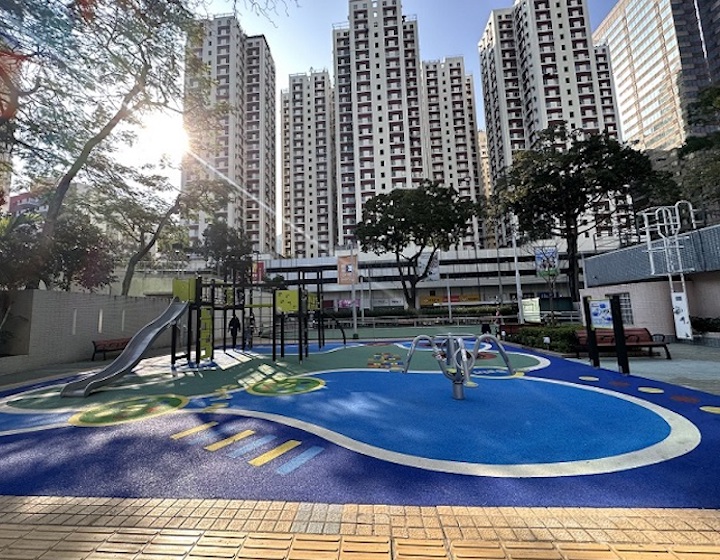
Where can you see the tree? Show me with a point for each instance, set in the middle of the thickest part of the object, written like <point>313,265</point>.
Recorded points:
<point>706,110</point>
<point>431,216</point>
<point>81,255</point>
<point>699,156</point>
<point>228,249</point>
<point>553,188</point>
<point>700,181</point>
<point>18,240</point>
<point>77,77</point>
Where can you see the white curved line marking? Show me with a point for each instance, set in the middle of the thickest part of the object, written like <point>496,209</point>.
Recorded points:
<point>683,438</point>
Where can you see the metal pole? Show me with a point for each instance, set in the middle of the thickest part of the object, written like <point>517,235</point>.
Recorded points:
<point>449,297</point>
<point>362,301</point>
<point>352,294</point>
<point>518,285</point>
<point>497,259</point>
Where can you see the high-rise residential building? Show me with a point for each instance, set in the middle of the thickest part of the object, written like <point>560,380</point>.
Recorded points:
<point>242,151</point>
<point>661,53</point>
<point>308,212</point>
<point>540,68</point>
<point>260,145</point>
<point>450,133</point>
<point>491,240</point>
<point>378,127</point>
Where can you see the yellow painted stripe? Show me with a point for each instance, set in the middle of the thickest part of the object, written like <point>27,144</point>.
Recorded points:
<point>227,441</point>
<point>194,430</point>
<point>274,453</point>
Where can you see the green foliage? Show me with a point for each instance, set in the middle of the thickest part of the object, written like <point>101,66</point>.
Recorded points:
<point>562,339</point>
<point>228,249</point>
<point>18,243</point>
<point>82,255</point>
<point>430,216</point>
<point>706,110</point>
<point>564,178</point>
<point>705,324</point>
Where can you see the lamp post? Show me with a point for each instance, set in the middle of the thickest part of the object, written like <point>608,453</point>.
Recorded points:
<point>501,296</point>
<point>518,284</point>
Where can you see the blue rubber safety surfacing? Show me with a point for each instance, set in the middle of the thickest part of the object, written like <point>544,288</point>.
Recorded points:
<point>373,436</point>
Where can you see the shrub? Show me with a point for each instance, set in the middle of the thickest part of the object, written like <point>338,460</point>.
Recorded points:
<point>562,339</point>
<point>705,324</point>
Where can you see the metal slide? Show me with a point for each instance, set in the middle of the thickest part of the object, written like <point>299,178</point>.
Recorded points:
<point>129,357</point>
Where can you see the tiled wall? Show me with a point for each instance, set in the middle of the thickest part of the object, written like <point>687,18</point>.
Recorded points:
<point>59,327</point>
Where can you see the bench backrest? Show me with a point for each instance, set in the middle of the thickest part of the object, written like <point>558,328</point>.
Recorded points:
<point>603,336</point>
<point>607,336</point>
<point>637,334</point>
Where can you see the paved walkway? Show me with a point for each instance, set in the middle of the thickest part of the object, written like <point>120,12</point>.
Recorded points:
<point>68,528</point>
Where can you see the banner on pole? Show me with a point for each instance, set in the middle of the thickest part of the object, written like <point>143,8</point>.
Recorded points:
<point>546,261</point>
<point>347,269</point>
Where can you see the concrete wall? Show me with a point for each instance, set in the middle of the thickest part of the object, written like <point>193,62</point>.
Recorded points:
<point>59,327</point>
<point>650,302</point>
<point>705,295</point>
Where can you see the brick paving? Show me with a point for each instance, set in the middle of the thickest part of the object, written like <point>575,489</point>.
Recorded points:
<point>66,528</point>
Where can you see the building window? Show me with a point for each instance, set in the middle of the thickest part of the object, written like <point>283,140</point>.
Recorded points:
<point>625,307</point>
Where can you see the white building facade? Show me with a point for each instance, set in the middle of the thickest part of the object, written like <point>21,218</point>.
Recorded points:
<point>450,140</point>
<point>308,228</point>
<point>241,152</point>
<point>539,69</point>
<point>378,124</point>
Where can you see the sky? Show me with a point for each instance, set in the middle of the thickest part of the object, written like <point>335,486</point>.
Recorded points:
<point>300,33</point>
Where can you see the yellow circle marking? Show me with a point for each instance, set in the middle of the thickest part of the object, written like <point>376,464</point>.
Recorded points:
<point>588,378</point>
<point>653,390</point>
<point>128,410</point>
<point>711,409</point>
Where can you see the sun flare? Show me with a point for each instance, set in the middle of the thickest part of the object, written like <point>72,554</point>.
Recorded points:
<point>162,136</point>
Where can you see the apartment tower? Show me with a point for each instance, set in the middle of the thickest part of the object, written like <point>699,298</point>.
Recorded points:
<point>378,132</point>
<point>661,54</point>
<point>308,228</point>
<point>241,152</point>
<point>450,141</point>
<point>539,69</point>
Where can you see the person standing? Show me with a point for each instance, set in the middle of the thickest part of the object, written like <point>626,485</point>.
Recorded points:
<point>234,327</point>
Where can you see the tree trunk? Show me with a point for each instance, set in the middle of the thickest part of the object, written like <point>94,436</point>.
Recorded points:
<point>145,247</point>
<point>571,237</point>
<point>129,273</point>
<point>404,281</point>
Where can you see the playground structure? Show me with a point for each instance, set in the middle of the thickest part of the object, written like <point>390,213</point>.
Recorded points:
<point>456,360</point>
<point>283,317</point>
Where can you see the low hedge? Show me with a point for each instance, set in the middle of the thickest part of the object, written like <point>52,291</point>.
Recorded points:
<point>705,324</point>
<point>439,311</point>
<point>562,339</point>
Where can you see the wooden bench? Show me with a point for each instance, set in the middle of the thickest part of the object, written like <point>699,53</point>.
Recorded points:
<point>635,338</point>
<point>110,345</point>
